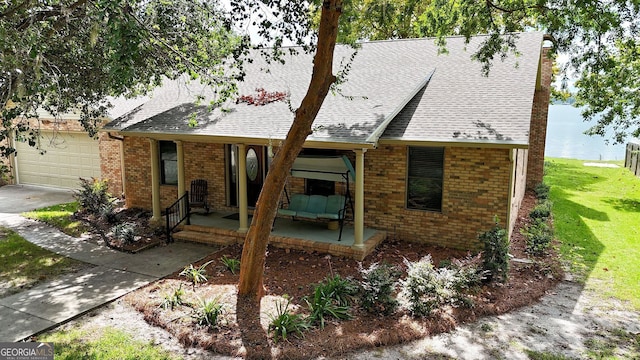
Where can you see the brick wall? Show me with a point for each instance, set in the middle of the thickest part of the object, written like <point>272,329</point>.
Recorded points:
<point>137,170</point>
<point>111,163</point>
<point>206,161</point>
<point>475,189</point>
<point>538,129</point>
<point>202,161</point>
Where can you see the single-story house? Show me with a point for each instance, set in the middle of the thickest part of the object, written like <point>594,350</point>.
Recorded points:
<point>434,150</point>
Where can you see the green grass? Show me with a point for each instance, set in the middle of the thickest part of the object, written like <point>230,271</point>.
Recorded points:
<point>596,218</point>
<point>59,216</point>
<point>537,355</point>
<point>106,344</point>
<point>23,264</point>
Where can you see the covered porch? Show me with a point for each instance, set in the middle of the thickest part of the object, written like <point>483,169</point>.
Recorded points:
<point>222,229</point>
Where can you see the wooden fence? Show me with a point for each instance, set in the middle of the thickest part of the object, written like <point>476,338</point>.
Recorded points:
<point>632,157</point>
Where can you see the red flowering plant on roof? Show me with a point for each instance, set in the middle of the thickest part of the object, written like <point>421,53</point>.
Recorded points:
<point>262,97</point>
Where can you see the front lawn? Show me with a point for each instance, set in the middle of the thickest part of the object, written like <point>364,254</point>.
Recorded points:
<point>597,216</point>
<point>61,217</point>
<point>23,264</point>
<point>104,344</point>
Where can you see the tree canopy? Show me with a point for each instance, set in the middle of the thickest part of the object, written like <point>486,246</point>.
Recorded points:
<point>72,55</point>
<point>600,38</point>
<point>60,55</point>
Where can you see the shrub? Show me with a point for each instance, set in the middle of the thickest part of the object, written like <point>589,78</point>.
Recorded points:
<point>539,237</point>
<point>125,232</point>
<point>542,191</point>
<point>195,274</point>
<point>496,253</point>
<point>174,299</point>
<point>379,282</point>
<point>428,288</point>
<point>5,174</point>
<point>423,286</point>
<point>341,290</point>
<point>323,305</point>
<point>232,264</point>
<point>208,312</point>
<point>541,212</point>
<point>467,278</point>
<point>284,322</point>
<point>93,194</point>
<point>107,213</point>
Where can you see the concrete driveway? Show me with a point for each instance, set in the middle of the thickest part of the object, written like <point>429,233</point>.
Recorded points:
<point>15,199</point>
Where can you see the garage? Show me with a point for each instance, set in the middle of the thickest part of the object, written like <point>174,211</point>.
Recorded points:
<point>69,156</point>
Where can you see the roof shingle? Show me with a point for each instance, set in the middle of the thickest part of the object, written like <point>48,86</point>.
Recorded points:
<point>457,104</point>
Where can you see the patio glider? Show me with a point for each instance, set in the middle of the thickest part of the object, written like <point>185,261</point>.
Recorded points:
<point>331,207</point>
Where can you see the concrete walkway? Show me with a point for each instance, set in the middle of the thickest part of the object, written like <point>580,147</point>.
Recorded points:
<point>114,274</point>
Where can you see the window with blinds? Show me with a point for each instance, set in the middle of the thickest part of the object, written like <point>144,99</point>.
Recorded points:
<point>424,178</point>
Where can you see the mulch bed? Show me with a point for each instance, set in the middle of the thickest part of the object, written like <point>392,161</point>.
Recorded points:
<point>242,331</point>
<point>147,235</point>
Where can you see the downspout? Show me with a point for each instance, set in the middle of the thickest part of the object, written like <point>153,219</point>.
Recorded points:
<point>122,177</point>
<point>511,190</point>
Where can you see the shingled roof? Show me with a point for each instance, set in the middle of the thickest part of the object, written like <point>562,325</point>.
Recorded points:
<point>399,90</point>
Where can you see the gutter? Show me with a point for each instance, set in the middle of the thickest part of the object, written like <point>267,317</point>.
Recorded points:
<point>113,137</point>
<point>375,136</point>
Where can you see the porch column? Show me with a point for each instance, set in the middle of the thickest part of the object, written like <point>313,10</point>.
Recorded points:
<point>155,180</point>
<point>358,211</point>
<point>180,153</point>
<point>242,189</point>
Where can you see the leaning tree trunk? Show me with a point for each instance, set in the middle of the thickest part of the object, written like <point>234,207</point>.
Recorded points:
<point>255,243</point>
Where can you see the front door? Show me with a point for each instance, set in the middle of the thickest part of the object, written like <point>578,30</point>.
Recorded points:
<point>255,172</point>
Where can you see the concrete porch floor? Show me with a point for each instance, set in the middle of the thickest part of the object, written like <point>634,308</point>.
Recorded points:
<point>287,233</point>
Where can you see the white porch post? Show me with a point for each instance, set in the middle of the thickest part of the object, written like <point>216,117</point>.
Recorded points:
<point>181,184</point>
<point>155,180</point>
<point>180,153</point>
<point>358,211</point>
<point>242,189</point>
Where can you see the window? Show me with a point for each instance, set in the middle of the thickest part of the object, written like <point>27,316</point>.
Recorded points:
<point>168,163</point>
<point>424,178</point>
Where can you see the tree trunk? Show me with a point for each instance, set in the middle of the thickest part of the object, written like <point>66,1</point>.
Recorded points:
<point>255,243</point>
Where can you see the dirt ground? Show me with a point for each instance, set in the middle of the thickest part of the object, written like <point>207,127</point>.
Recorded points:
<point>243,330</point>
<point>563,322</point>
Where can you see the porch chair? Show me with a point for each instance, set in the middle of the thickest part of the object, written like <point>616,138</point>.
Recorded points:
<point>198,197</point>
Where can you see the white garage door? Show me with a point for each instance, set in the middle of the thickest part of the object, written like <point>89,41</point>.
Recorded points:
<point>68,157</point>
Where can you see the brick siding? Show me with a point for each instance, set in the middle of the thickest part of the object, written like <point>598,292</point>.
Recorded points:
<point>475,189</point>
<point>538,128</point>
<point>202,161</point>
<point>111,163</point>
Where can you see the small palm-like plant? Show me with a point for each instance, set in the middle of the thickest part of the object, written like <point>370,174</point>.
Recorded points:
<point>232,264</point>
<point>284,323</point>
<point>174,299</point>
<point>208,312</point>
<point>194,274</point>
<point>323,305</point>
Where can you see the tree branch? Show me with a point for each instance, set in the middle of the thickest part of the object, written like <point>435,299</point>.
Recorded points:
<point>46,14</point>
<point>14,10</point>
<point>491,4</point>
